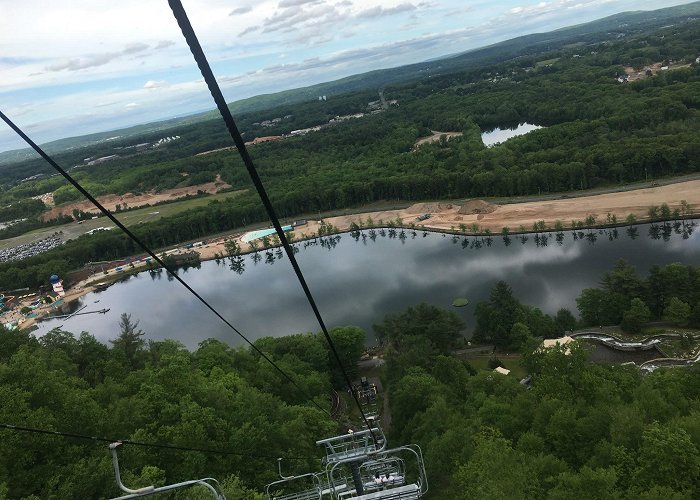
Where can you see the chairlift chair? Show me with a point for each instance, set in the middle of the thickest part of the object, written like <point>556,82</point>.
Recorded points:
<point>402,482</point>
<point>354,445</point>
<point>303,487</point>
<point>211,484</point>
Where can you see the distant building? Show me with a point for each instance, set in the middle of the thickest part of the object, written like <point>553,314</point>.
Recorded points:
<point>305,131</point>
<point>104,159</point>
<point>501,370</point>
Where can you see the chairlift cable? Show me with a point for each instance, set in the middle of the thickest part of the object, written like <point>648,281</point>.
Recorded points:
<point>150,252</point>
<point>34,430</point>
<point>215,90</point>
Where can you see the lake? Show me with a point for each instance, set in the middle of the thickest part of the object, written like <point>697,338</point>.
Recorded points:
<point>356,281</point>
<point>499,135</point>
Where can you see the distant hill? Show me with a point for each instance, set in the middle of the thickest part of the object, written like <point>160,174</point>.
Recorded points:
<point>79,142</point>
<point>623,24</point>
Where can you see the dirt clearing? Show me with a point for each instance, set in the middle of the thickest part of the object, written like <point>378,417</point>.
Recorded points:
<point>494,217</point>
<point>131,200</point>
<point>435,138</point>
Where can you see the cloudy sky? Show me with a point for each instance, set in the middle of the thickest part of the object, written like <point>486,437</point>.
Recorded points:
<point>71,67</point>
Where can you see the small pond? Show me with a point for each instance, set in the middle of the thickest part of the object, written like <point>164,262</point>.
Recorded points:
<point>499,135</point>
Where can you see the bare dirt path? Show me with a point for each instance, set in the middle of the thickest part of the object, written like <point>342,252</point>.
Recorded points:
<point>131,200</point>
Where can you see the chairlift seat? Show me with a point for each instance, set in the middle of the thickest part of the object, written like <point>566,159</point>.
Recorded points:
<point>313,494</point>
<point>337,489</point>
<point>407,492</point>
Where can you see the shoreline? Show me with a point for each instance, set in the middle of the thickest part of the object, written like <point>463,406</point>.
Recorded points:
<point>446,217</point>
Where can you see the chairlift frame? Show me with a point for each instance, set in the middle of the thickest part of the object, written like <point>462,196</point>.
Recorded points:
<point>354,445</point>
<point>152,490</point>
<point>392,493</point>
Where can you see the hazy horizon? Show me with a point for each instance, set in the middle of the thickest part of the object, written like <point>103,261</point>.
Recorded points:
<point>95,66</point>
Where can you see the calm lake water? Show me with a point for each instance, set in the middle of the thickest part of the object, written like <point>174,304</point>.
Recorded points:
<point>503,134</point>
<point>357,282</point>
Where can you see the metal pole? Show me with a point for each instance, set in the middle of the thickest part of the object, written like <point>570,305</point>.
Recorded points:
<point>115,462</point>
<point>356,478</point>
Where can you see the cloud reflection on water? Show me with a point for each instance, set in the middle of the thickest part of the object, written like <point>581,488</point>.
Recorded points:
<point>358,284</point>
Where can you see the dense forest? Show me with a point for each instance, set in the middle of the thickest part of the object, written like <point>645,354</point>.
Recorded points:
<point>581,431</point>
<point>671,293</point>
<point>216,397</point>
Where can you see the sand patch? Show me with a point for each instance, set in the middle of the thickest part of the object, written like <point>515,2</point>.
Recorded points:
<point>473,207</point>
<point>435,138</point>
<point>428,208</point>
<point>132,200</point>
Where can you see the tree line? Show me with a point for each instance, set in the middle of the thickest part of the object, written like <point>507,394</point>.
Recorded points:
<point>669,293</point>
<point>215,397</point>
<point>581,431</point>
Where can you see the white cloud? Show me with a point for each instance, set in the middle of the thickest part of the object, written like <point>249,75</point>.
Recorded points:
<point>155,84</point>
<point>241,10</point>
<point>90,61</point>
<point>293,3</point>
<point>379,11</point>
<point>134,48</point>
<point>164,44</point>
<point>132,105</point>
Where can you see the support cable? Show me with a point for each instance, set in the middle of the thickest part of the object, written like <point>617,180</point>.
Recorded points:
<point>33,430</point>
<point>150,252</point>
<point>200,58</point>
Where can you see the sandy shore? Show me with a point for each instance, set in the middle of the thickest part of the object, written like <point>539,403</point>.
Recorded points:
<point>452,216</point>
<point>446,216</point>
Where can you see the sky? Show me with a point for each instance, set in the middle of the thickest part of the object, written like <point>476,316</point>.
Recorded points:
<point>72,67</point>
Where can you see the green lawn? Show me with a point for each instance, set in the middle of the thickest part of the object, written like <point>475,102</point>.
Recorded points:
<point>540,64</point>
<point>512,363</point>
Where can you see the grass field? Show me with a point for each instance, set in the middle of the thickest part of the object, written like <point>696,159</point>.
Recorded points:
<point>541,64</point>
<point>130,218</point>
<point>512,363</point>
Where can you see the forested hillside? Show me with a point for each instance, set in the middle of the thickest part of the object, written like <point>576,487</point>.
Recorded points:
<point>582,431</point>
<point>216,398</point>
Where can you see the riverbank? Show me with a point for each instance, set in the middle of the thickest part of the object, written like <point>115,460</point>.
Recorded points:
<point>479,216</point>
<point>469,217</point>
